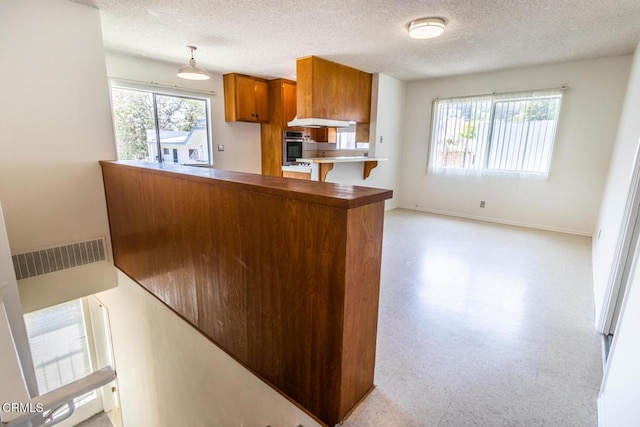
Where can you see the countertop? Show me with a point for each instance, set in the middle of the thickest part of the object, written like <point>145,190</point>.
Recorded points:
<point>336,195</point>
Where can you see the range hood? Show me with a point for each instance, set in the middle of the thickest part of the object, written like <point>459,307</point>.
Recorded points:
<point>318,123</point>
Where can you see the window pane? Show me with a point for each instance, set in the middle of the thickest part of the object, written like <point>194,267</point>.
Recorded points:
<point>346,138</point>
<point>506,151</point>
<point>183,130</point>
<point>133,123</point>
<point>524,132</point>
<point>182,122</point>
<point>460,133</point>
<point>507,133</point>
<point>58,340</point>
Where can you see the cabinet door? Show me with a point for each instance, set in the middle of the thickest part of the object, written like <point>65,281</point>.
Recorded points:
<point>288,103</point>
<point>245,99</point>
<point>356,92</point>
<point>324,135</point>
<point>362,132</point>
<point>261,101</point>
<point>332,91</point>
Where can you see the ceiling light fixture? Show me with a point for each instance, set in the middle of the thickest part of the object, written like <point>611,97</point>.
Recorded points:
<point>192,71</point>
<point>426,28</point>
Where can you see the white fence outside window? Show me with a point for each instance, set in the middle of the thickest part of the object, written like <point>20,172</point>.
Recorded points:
<point>495,133</point>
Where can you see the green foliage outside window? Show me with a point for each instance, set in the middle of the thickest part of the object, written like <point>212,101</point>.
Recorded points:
<point>134,117</point>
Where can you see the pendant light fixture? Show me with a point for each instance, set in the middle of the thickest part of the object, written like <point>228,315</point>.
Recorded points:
<point>192,71</point>
<point>426,28</point>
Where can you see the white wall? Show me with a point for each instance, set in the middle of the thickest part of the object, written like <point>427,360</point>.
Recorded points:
<point>618,401</point>
<point>61,286</point>
<point>617,187</point>
<point>171,375</point>
<point>569,199</point>
<point>241,141</point>
<point>55,123</point>
<point>387,118</point>
<point>620,391</point>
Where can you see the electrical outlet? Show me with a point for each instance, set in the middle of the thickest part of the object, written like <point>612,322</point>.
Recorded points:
<point>220,147</point>
<point>482,203</point>
<point>380,139</point>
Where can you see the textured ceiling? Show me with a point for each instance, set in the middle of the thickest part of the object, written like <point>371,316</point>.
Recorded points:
<point>264,37</point>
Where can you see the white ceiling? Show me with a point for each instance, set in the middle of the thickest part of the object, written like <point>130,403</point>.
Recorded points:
<point>264,37</point>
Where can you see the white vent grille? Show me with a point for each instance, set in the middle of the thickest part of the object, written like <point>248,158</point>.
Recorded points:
<point>59,258</point>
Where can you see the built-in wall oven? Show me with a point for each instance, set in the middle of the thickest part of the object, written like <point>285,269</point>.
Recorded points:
<point>292,146</point>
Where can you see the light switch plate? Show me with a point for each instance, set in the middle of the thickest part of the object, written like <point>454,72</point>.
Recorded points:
<point>220,147</point>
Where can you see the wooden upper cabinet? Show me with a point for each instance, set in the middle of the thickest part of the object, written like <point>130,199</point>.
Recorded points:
<point>321,134</point>
<point>282,109</point>
<point>328,90</point>
<point>362,132</point>
<point>246,99</point>
<point>261,100</point>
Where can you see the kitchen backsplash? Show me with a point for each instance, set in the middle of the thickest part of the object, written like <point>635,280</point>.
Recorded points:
<point>313,149</point>
<point>332,153</point>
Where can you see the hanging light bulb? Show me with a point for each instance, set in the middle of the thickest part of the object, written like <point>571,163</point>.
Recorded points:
<point>192,71</point>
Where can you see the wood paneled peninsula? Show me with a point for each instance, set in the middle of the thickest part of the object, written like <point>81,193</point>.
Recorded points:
<point>282,274</point>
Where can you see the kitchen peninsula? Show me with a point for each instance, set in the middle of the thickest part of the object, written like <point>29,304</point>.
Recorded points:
<point>319,167</point>
<point>282,274</point>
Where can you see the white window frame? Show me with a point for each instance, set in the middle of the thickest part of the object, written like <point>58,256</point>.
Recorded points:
<point>91,402</point>
<point>164,90</point>
<point>481,166</point>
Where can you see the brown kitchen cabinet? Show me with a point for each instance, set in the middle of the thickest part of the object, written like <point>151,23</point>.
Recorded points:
<point>330,90</point>
<point>297,175</point>
<point>282,109</point>
<point>246,99</point>
<point>320,134</point>
<point>317,134</point>
<point>362,132</point>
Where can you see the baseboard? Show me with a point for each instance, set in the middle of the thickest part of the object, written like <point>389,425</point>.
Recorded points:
<point>390,206</point>
<point>497,221</point>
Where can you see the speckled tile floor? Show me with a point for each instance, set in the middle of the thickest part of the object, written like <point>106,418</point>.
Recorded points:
<point>482,324</point>
<point>98,420</point>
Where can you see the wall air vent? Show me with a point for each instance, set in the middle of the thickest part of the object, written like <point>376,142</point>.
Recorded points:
<point>59,258</point>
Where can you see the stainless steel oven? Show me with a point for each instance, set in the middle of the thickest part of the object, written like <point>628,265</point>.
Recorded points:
<point>292,146</point>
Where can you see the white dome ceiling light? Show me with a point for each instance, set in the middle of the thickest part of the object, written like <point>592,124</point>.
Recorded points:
<point>192,71</point>
<point>426,28</point>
